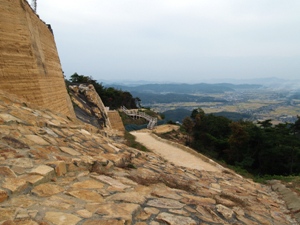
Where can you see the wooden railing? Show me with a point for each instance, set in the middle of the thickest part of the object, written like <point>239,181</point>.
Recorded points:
<point>135,113</point>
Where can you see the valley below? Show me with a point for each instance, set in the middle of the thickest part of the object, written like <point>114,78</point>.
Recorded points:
<point>252,106</point>
<point>252,103</point>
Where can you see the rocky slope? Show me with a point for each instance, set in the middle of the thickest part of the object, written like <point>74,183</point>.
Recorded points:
<point>88,105</point>
<point>89,108</point>
<point>56,170</point>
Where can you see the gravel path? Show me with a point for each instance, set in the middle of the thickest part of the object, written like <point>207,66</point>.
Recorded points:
<point>172,153</point>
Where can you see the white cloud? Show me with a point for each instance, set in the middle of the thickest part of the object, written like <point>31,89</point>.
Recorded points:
<point>172,34</point>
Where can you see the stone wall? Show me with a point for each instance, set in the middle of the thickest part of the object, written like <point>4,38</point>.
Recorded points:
<point>29,62</point>
<point>116,121</point>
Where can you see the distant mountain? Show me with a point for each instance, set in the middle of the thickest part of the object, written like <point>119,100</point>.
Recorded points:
<point>186,88</point>
<point>152,98</point>
<point>129,83</point>
<point>261,81</point>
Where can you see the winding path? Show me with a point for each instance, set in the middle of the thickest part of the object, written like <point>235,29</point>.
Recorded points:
<point>173,154</point>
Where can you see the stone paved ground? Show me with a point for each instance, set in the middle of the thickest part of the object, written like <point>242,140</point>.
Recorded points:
<point>57,171</point>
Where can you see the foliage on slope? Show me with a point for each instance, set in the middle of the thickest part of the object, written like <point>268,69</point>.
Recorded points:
<point>111,97</point>
<point>261,149</point>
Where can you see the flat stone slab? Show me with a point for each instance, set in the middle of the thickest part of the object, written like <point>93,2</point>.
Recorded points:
<point>15,143</point>
<point>172,219</point>
<point>118,210</point>
<point>113,182</point>
<point>46,190</point>
<point>6,214</point>
<point>37,139</point>
<point>69,151</point>
<point>23,163</point>
<point>88,184</point>
<point>46,171</point>
<point>226,212</point>
<point>15,184</point>
<point>191,199</point>
<point>84,213</point>
<point>165,193</point>
<point>85,132</point>
<point>33,179</point>
<point>87,195</point>
<point>59,218</point>
<point>61,203</point>
<point>7,172</point>
<point>132,197</point>
<point>9,118</point>
<point>165,203</point>
<point>104,222</point>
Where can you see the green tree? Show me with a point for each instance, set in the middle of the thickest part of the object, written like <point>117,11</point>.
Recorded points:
<point>188,125</point>
<point>238,141</point>
<point>110,96</point>
<point>265,123</point>
<point>76,78</point>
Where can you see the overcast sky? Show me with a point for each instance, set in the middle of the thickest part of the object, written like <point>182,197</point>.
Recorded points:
<point>176,40</point>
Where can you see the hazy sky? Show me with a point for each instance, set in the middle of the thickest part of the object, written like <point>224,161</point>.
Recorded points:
<point>176,40</point>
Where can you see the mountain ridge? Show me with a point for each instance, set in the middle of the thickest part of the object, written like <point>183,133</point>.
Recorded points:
<point>183,88</point>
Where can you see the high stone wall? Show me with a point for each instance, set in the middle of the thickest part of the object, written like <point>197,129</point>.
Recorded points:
<point>29,62</point>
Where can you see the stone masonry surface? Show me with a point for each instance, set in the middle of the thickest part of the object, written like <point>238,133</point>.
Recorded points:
<point>29,62</point>
<point>55,170</point>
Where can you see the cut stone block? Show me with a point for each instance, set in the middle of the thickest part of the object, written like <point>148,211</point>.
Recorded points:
<point>46,171</point>
<point>59,167</point>
<point>15,185</point>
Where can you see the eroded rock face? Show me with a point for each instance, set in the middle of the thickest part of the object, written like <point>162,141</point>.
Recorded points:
<point>89,106</point>
<point>62,171</point>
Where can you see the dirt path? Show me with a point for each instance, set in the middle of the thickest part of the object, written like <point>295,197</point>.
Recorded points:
<point>172,153</point>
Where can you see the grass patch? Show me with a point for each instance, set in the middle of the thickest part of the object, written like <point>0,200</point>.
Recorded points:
<point>131,142</point>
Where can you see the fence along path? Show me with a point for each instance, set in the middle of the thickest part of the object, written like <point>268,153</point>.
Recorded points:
<point>135,113</point>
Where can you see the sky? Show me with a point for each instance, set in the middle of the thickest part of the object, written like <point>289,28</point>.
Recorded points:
<point>176,40</point>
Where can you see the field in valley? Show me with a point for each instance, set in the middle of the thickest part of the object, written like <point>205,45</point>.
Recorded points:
<point>257,105</point>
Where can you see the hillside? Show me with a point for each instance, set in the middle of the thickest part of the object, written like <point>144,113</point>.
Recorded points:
<point>56,170</point>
